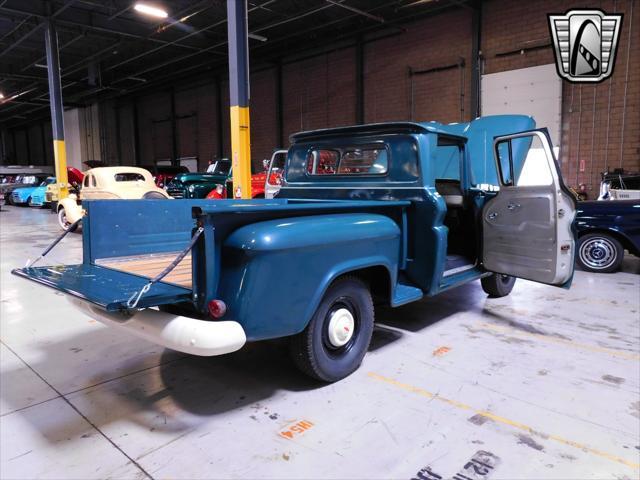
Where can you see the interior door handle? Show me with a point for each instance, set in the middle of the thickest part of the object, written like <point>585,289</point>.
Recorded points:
<point>513,206</point>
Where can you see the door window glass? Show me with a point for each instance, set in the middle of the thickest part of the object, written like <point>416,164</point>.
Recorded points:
<point>530,163</point>
<point>503,153</point>
<point>523,161</point>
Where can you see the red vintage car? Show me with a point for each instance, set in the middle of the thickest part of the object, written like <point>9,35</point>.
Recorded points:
<point>258,180</point>
<point>163,174</point>
<point>257,188</point>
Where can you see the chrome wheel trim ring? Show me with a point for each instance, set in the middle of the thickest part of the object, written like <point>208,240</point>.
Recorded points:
<point>598,253</point>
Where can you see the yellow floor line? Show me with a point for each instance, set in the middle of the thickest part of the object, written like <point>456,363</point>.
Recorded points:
<point>561,341</point>
<point>502,420</point>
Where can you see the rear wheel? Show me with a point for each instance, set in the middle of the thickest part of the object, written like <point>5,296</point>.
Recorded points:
<point>598,252</point>
<point>338,335</point>
<point>498,285</point>
<point>62,219</point>
<point>153,196</point>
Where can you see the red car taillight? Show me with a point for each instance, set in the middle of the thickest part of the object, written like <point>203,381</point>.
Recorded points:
<point>217,308</point>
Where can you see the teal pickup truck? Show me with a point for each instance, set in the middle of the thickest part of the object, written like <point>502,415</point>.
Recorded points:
<point>368,215</point>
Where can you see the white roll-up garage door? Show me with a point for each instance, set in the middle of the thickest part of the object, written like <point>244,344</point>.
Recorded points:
<point>535,91</point>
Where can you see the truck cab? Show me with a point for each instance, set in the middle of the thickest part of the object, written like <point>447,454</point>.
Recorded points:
<point>480,201</point>
<point>369,215</point>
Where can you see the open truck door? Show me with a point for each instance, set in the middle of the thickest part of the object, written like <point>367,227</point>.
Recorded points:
<point>527,225</point>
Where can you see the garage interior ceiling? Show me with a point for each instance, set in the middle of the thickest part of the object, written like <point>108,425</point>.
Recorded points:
<point>108,50</point>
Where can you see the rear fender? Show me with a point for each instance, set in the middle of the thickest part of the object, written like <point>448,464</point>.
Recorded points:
<point>73,211</point>
<point>275,273</point>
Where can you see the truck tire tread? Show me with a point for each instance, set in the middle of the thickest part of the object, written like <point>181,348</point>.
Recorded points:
<point>304,346</point>
<point>498,285</point>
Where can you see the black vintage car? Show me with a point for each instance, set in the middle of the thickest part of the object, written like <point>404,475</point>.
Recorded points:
<point>605,230</point>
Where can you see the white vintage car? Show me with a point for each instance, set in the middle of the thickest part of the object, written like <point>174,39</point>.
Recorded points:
<point>109,183</point>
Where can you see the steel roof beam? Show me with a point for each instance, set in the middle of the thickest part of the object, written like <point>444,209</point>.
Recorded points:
<point>92,21</point>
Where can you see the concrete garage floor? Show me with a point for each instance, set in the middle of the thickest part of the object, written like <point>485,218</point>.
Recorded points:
<point>545,382</point>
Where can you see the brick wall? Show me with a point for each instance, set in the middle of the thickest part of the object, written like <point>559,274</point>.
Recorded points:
<point>600,126</point>
<point>599,129</point>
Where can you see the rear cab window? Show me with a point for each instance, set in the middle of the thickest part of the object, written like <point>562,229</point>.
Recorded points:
<point>356,160</point>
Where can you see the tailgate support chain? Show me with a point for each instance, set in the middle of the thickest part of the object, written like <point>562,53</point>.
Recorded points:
<point>72,228</point>
<point>132,303</point>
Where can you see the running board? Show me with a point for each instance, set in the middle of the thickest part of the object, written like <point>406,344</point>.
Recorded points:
<point>404,294</point>
<point>454,271</point>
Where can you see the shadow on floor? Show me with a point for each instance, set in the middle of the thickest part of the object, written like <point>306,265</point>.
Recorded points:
<point>173,393</point>
<point>178,389</point>
<point>431,310</point>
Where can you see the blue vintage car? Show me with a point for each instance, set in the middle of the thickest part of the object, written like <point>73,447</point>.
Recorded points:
<point>368,215</point>
<point>24,195</point>
<point>39,194</point>
<point>605,230</point>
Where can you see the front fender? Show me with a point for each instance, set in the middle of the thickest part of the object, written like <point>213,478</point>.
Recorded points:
<point>73,211</point>
<point>274,273</point>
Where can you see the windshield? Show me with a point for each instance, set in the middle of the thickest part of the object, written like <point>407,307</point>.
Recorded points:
<point>221,167</point>
<point>29,179</point>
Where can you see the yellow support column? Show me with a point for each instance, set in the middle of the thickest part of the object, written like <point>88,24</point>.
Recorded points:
<point>241,152</point>
<point>239,97</point>
<point>60,158</point>
<point>55,101</point>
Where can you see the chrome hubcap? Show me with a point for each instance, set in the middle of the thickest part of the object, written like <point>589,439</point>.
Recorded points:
<point>597,253</point>
<point>341,327</point>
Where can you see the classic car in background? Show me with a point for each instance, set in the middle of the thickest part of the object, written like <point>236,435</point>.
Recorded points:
<point>259,182</point>
<point>274,173</point>
<point>108,183</point>
<point>605,231</point>
<point>52,192</point>
<point>24,195</point>
<point>225,191</point>
<point>164,174</point>
<point>7,178</point>
<point>198,185</point>
<point>22,180</point>
<point>620,185</point>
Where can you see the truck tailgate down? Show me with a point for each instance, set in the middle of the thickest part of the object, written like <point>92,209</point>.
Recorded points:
<point>107,288</point>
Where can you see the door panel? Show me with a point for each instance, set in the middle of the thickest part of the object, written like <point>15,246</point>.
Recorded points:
<point>527,226</point>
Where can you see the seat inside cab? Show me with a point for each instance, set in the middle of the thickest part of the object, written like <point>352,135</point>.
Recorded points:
<point>460,218</point>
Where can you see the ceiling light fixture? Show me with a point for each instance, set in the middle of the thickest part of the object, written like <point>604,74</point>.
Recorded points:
<point>255,36</point>
<point>150,10</point>
<point>1,95</point>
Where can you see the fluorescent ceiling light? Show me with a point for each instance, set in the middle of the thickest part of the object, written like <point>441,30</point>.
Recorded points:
<point>255,36</point>
<point>1,95</point>
<point>150,10</point>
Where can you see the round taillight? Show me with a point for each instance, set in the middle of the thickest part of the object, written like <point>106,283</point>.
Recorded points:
<point>217,308</point>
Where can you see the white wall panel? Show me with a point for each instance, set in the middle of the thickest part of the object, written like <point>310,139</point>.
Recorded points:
<point>535,91</point>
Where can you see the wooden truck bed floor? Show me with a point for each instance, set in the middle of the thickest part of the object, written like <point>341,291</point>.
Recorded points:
<point>151,265</point>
